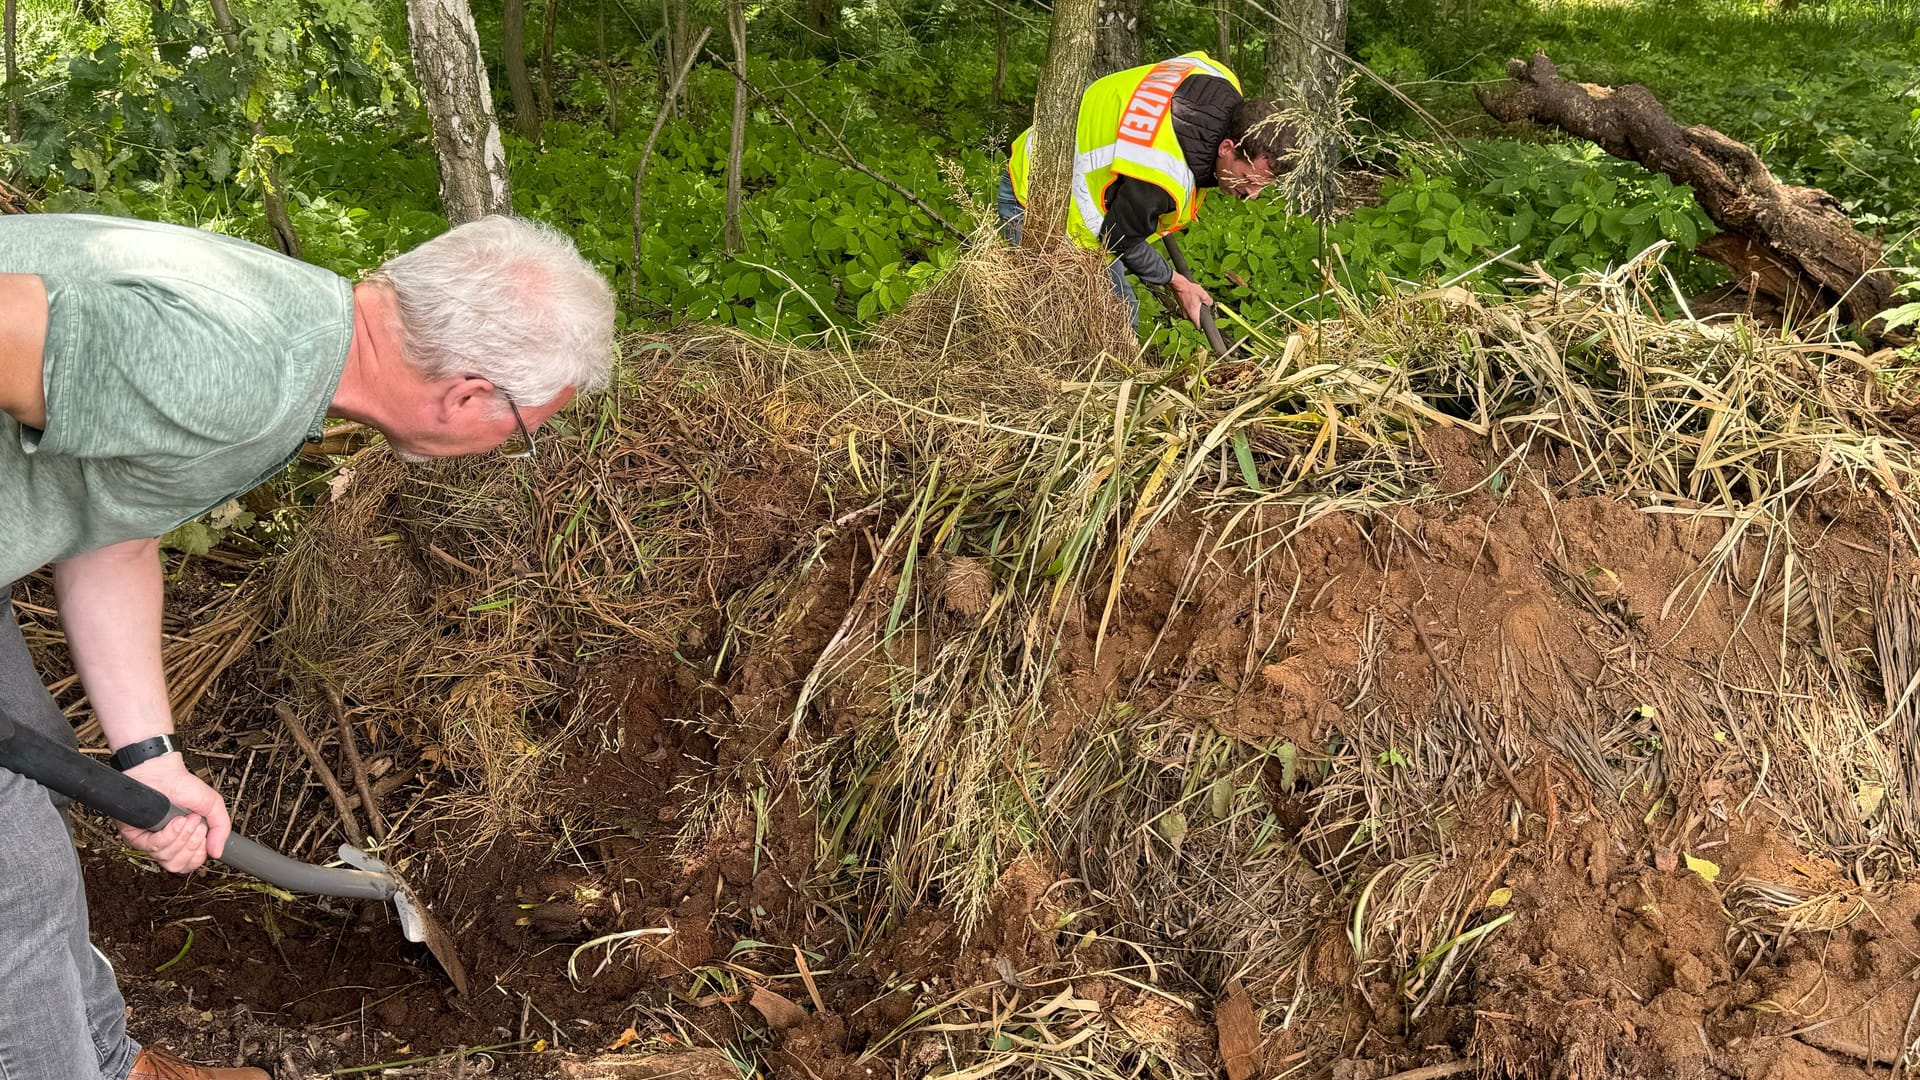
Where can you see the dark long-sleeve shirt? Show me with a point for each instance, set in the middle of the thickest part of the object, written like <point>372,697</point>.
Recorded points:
<point>1202,107</point>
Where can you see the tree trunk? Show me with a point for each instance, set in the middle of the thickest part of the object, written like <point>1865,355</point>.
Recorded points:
<point>606,77</point>
<point>1793,250</point>
<point>10,31</point>
<point>1119,46</point>
<point>1223,27</point>
<point>999,52</point>
<point>513,56</point>
<point>1303,67</point>
<point>675,25</point>
<point>272,196</point>
<point>453,82</point>
<point>737,144</point>
<point>681,31</point>
<point>823,18</point>
<point>546,58</point>
<point>1056,108</point>
<point>1304,43</point>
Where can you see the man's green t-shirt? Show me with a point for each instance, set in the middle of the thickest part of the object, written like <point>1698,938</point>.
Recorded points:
<point>182,368</point>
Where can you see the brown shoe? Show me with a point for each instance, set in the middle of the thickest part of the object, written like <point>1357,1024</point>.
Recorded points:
<point>154,1065</point>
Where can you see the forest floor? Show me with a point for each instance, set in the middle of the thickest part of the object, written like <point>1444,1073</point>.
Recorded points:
<point>1445,749</point>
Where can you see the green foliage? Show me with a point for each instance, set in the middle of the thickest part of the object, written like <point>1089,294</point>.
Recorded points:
<point>149,114</point>
<point>819,236</point>
<point>1905,315</point>
<point>1568,208</point>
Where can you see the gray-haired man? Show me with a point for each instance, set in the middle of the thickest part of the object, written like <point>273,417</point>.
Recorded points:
<point>147,374</point>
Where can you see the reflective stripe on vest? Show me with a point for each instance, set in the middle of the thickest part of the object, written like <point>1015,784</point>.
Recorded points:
<point>1124,129</point>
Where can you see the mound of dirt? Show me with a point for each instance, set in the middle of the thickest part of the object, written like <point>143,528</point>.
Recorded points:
<point>1480,659</point>
<point>1287,717</point>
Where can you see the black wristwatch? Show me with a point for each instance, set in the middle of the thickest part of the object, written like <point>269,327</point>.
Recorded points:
<point>145,750</point>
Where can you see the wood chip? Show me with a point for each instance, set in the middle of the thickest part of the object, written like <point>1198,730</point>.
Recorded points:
<point>1239,1029</point>
<point>701,1064</point>
<point>779,1013</point>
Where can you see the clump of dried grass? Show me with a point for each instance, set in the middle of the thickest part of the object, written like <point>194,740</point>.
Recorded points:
<point>456,601</point>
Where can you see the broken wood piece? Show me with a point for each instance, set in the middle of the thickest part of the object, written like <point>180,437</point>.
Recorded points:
<point>1793,251</point>
<point>1434,1072</point>
<point>701,1064</point>
<point>350,749</point>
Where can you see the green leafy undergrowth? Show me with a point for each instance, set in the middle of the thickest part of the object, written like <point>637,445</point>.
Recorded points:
<point>1828,92</point>
<point>1564,206</point>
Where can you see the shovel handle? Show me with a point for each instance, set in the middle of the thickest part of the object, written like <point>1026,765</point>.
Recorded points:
<point>259,860</point>
<point>1207,324</point>
<point>123,798</point>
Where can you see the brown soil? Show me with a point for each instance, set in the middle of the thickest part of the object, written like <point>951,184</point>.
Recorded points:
<point>1621,958</point>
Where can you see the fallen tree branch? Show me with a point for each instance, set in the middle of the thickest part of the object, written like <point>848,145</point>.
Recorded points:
<point>1793,251</point>
<point>843,155</point>
<point>13,200</point>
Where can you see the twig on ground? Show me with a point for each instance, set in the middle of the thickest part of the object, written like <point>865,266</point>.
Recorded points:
<point>350,748</point>
<point>298,729</point>
<point>1434,1072</point>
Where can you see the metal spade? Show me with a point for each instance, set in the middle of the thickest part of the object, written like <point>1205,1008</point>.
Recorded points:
<point>123,798</point>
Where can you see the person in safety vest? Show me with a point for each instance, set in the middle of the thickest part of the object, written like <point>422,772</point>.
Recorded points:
<point>1151,140</point>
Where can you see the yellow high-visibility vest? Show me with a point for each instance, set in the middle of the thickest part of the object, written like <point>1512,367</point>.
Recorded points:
<point>1125,128</point>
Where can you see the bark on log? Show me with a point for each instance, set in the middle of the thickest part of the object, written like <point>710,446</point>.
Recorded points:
<point>1792,250</point>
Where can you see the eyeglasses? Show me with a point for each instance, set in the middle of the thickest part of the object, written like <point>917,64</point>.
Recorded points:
<point>527,452</point>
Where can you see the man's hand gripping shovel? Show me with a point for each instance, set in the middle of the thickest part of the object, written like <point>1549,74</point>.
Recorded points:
<point>123,798</point>
<point>1215,340</point>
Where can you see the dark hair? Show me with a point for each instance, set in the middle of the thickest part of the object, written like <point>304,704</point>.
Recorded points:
<point>1257,131</point>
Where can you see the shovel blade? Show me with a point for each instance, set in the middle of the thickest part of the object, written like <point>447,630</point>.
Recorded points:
<point>416,922</point>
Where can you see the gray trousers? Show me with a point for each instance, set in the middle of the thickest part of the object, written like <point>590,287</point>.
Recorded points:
<point>61,1016</point>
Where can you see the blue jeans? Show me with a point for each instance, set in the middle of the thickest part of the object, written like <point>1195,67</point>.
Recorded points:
<point>1011,212</point>
<point>61,1016</point>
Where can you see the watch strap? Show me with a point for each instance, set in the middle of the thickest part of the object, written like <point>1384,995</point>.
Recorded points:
<point>145,750</point>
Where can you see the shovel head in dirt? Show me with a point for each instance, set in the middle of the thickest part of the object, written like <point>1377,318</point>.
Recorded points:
<point>123,798</point>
